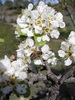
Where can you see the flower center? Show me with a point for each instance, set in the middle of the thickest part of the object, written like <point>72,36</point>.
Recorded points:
<point>46,29</point>
<point>39,22</point>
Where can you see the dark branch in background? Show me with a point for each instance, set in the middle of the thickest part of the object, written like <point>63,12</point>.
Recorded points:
<point>53,90</point>
<point>70,80</point>
<point>33,78</point>
<point>67,75</point>
<point>50,74</point>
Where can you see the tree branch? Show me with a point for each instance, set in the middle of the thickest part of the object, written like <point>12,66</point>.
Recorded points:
<point>67,75</point>
<point>51,76</point>
<point>70,80</point>
<point>33,78</point>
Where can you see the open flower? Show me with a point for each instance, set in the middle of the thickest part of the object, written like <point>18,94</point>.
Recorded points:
<point>71,38</point>
<point>21,89</point>
<point>38,62</point>
<point>7,89</point>
<point>41,21</point>
<point>54,34</point>
<point>45,48</point>
<point>68,50</point>
<point>5,64</point>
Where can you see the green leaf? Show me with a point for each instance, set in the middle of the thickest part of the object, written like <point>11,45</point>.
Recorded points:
<point>1,40</point>
<point>58,58</point>
<point>52,57</point>
<point>20,33</point>
<point>28,91</point>
<point>23,11</point>
<point>39,43</point>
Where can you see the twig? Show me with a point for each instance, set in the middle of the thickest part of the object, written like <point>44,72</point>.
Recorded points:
<point>67,75</point>
<point>70,80</point>
<point>33,78</point>
<point>54,92</point>
<point>50,74</point>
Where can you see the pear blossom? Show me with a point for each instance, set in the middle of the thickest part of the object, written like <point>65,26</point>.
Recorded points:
<point>30,7</point>
<point>38,30</point>
<point>72,34</point>
<point>55,24</point>
<point>21,75</point>
<point>29,42</point>
<point>21,22</point>
<point>68,62</point>
<point>21,89</point>
<point>37,62</point>
<point>68,50</point>
<point>7,89</point>
<point>39,39</point>
<point>41,6</point>
<point>52,61</point>
<point>45,38</point>
<point>5,77</point>
<point>54,34</point>
<point>28,32</point>
<point>45,56</point>
<point>42,23</point>
<point>71,38</point>
<point>5,64</point>
<point>45,48</point>
<point>61,53</point>
<point>62,24</point>
<point>59,16</point>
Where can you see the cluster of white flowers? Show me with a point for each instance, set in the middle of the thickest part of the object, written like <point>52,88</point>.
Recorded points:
<point>47,55</point>
<point>68,49</point>
<point>27,48</point>
<point>37,26</point>
<point>43,21</point>
<point>11,73</point>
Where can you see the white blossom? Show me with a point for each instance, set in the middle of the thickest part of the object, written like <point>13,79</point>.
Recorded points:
<point>62,24</point>
<point>68,62</point>
<point>29,42</point>
<point>5,63</point>
<point>38,30</point>
<point>68,50</point>
<point>39,39</point>
<point>65,46</point>
<point>59,16</point>
<point>21,75</point>
<point>37,62</point>
<point>7,89</point>
<point>45,56</point>
<point>45,48</point>
<point>61,53</point>
<point>55,24</point>
<point>54,34</point>
<point>30,7</point>
<point>21,89</point>
<point>45,38</point>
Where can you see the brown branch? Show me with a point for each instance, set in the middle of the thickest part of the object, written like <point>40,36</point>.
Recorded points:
<point>33,78</point>
<point>67,75</point>
<point>70,80</point>
<point>54,91</point>
<point>51,76</point>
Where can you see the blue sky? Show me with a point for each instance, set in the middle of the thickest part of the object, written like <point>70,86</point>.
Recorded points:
<point>4,1</point>
<point>35,1</point>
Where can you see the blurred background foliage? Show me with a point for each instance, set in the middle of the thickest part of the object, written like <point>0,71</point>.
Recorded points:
<point>9,11</point>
